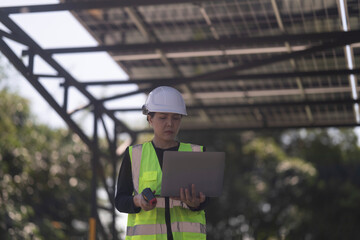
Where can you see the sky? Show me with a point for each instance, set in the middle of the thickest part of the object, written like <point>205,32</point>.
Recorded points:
<point>61,29</point>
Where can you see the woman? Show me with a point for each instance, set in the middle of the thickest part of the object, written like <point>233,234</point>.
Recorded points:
<point>169,218</point>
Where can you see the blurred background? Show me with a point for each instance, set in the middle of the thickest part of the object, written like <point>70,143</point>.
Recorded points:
<point>272,83</point>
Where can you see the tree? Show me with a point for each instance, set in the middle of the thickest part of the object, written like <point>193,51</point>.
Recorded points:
<point>44,173</point>
<point>298,185</point>
<point>333,196</point>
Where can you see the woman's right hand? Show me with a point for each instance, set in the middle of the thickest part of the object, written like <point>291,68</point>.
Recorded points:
<point>139,201</point>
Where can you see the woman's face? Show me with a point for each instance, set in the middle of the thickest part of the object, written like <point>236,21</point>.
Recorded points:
<point>166,125</point>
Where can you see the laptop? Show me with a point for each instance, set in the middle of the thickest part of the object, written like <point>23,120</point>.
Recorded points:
<point>182,169</point>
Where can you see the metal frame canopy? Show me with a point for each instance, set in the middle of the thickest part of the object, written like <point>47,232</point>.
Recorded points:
<point>240,64</point>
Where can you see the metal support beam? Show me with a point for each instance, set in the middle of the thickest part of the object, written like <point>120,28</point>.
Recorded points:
<point>19,65</point>
<point>205,44</point>
<point>112,146</point>
<point>260,128</point>
<point>243,77</point>
<point>73,6</point>
<point>94,167</point>
<point>36,49</point>
<point>292,61</point>
<point>66,96</point>
<point>278,58</point>
<point>223,73</point>
<point>258,105</point>
<point>11,36</point>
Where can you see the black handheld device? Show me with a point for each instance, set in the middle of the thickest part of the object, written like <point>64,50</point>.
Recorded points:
<point>149,196</point>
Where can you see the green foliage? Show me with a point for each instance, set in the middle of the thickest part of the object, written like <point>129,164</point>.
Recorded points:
<point>334,194</point>
<point>44,176</point>
<point>298,185</point>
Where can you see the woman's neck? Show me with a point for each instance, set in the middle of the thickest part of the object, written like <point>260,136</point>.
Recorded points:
<point>164,144</point>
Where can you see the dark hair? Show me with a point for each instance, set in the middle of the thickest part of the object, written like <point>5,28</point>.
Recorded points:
<point>151,114</point>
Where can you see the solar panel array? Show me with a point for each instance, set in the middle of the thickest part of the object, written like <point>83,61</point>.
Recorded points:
<point>240,80</point>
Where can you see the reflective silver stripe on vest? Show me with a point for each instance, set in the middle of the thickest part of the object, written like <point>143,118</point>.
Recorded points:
<point>152,229</point>
<point>195,148</point>
<point>172,203</point>
<point>135,165</point>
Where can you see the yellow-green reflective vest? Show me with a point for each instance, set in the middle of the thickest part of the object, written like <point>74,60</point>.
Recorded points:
<point>146,225</point>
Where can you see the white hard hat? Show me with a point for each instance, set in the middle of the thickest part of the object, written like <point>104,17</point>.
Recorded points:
<point>165,99</point>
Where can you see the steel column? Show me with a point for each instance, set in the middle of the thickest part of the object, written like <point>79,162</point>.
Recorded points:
<point>94,163</point>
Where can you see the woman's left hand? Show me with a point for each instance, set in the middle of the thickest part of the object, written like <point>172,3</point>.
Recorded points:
<point>192,200</point>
